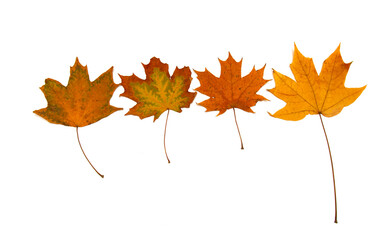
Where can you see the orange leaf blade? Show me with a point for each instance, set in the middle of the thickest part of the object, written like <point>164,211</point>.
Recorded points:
<point>81,102</point>
<point>231,90</point>
<point>158,92</point>
<point>311,93</point>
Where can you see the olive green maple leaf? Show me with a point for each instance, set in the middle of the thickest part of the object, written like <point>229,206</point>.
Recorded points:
<point>159,92</point>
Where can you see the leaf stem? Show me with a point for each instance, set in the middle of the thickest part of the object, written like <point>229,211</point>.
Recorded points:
<point>85,154</point>
<point>166,124</point>
<point>332,168</point>
<point>235,118</point>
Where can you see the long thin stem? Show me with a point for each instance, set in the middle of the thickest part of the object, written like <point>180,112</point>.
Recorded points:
<point>85,154</point>
<point>235,118</point>
<point>332,168</point>
<point>166,124</point>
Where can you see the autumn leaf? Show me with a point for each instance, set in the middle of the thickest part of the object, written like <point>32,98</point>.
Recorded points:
<point>310,93</point>
<point>81,102</point>
<point>230,90</point>
<point>158,92</point>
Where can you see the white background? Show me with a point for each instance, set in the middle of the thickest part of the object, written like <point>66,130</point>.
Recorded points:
<point>279,187</point>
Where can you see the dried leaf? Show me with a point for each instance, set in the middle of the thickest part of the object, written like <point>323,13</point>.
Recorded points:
<point>158,92</point>
<point>310,93</point>
<point>230,90</point>
<point>81,102</point>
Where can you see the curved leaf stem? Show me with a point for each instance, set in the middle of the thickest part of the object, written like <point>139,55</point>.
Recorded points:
<point>332,168</point>
<point>235,118</point>
<point>166,124</point>
<point>85,154</point>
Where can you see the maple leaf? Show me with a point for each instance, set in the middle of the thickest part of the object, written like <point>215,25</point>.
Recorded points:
<point>158,92</point>
<point>230,90</point>
<point>310,93</point>
<point>81,102</point>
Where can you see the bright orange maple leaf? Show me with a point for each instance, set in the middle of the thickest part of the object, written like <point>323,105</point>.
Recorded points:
<point>310,93</point>
<point>81,102</point>
<point>158,92</point>
<point>230,90</point>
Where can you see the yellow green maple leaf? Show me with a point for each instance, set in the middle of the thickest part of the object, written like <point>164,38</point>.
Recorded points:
<point>81,102</point>
<point>158,92</point>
